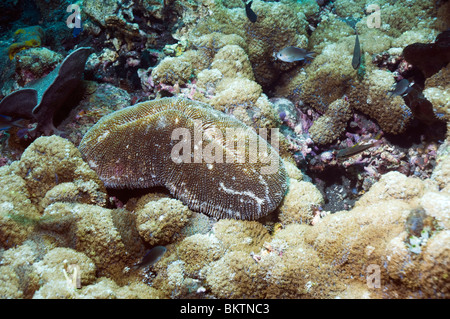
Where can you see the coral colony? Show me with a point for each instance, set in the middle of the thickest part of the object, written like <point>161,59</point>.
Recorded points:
<point>224,149</point>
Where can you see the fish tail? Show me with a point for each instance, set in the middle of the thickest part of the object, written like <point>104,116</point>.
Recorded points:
<point>311,55</point>
<point>16,123</point>
<point>378,136</point>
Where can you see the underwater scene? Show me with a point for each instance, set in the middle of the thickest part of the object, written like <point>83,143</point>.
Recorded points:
<point>225,149</point>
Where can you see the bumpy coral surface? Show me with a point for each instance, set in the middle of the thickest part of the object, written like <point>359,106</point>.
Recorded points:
<point>159,221</point>
<point>82,213</point>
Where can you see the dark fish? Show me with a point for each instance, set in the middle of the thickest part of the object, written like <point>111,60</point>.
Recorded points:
<point>151,257</point>
<point>292,54</point>
<point>356,61</point>
<point>414,223</point>
<point>251,15</point>
<point>402,87</point>
<point>6,122</point>
<point>357,148</point>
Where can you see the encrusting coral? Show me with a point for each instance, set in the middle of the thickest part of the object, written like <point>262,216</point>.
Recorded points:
<point>300,204</point>
<point>63,234</point>
<point>393,226</point>
<point>54,162</point>
<point>26,38</point>
<point>108,237</point>
<point>218,71</point>
<point>332,124</point>
<point>49,170</point>
<point>159,221</point>
<point>437,91</point>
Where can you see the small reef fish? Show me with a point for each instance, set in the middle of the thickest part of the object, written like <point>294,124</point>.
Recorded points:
<point>356,61</point>
<point>151,257</point>
<point>6,122</point>
<point>292,54</point>
<point>251,15</point>
<point>77,31</point>
<point>402,87</point>
<point>357,148</point>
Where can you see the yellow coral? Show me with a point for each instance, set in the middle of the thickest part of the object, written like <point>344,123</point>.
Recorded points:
<point>332,124</point>
<point>300,203</point>
<point>197,251</point>
<point>26,38</point>
<point>98,233</point>
<point>241,235</point>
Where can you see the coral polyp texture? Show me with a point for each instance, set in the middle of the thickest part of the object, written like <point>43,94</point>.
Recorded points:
<point>192,157</point>
<point>160,143</point>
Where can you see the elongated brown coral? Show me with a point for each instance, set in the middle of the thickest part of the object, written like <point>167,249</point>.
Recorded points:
<point>138,147</point>
<point>333,123</point>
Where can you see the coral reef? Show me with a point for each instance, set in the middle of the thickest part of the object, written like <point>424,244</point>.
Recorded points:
<point>279,24</point>
<point>100,233</point>
<point>34,63</point>
<point>218,72</point>
<point>357,205</point>
<point>400,225</point>
<point>437,91</point>
<point>301,203</point>
<point>50,170</point>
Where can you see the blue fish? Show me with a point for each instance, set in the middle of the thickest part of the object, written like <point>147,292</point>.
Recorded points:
<point>77,31</point>
<point>292,54</point>
<point>6,122</point>
<point>403,87</point>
